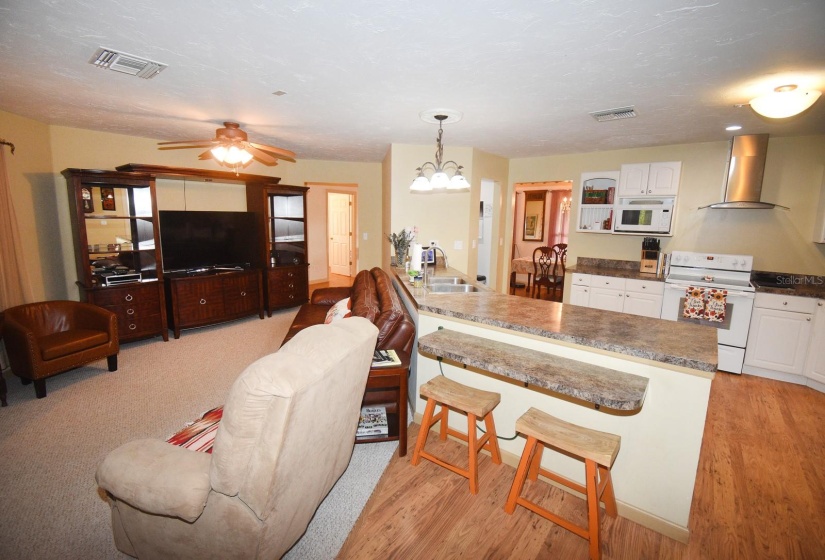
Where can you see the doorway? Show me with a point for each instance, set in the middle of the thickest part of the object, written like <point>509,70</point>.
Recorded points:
<point>340,251</point>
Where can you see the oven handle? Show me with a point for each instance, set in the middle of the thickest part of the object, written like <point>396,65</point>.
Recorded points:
<point>683,287</point>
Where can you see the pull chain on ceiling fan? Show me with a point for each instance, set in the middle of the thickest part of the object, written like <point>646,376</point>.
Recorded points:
<point>231,148</point>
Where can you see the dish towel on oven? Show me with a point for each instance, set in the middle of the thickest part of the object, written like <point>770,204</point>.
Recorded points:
<point>715,304</point>
<point>694,307</point>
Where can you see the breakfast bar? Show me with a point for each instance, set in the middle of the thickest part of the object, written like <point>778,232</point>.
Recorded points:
<point>575,362</point>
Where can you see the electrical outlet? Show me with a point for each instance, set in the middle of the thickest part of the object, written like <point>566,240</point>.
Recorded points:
<point>366,235</point>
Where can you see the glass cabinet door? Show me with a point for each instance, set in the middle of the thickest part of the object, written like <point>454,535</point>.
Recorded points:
<point>287,230</point>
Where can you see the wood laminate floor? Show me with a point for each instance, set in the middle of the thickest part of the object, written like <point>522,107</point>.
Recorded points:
<point>760,494</point>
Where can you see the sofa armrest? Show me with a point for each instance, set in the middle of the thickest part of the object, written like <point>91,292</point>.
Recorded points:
<point>158,477</point>
<point>330,296</point>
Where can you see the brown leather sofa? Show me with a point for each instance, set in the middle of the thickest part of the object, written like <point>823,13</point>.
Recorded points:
<point>372,297</point>
<point>50,337</point>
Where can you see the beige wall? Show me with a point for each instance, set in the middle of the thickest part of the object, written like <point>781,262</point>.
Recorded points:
<point>42,203</point>
<point>779,240</point>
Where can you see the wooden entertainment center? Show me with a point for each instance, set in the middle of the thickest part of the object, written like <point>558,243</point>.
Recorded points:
<point>119,261</point>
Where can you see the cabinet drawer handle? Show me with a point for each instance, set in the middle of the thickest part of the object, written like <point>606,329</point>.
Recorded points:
<point>290,275</point>
<point>819,303</point>
<point>808,319</point>
<point>132,326</point>
<point>202,301</point>
<point>784,303</point>
<point>130,311</point>
<point>291,286</point>
<point>243,294</point>
<point>128,297</point>
<point>291,296</point>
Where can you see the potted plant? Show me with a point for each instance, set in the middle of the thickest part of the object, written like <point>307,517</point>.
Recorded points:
<point>401,245</point>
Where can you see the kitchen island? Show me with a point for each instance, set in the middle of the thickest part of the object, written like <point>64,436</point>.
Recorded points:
<point>655,471</point>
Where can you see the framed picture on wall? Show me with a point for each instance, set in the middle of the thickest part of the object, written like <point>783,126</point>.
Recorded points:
<point>107,198</point>
<point>88,203</point>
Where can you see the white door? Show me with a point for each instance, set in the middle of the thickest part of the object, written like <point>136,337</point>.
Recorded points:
<point>815,366</point>
<point>607,299</point>
<point>633,179</point>
<point>778,340</point>
<point>646,305</point>
<point>339,217</point>
<point>664,178</point>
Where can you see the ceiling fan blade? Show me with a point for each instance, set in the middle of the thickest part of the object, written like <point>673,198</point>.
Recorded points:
<point>261,156</point>
<point>279,153</point>
<point>206,155</point>
<point>188,142</point>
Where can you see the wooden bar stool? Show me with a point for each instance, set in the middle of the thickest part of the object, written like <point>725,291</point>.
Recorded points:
<point>598,449</point>
<point>476,404</point>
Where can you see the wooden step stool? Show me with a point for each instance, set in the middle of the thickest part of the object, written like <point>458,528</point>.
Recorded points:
<point>476,404</point>
<point>598,449</point>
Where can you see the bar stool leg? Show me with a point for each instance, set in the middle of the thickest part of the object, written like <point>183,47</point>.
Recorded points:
<point>472,443</point>
<point>445,422</point>
<point>535,463</point>
<point>592,508</point>
<point>492,440</point>
<point>521,474</point>
<point>608,497</point>
<point>426,422</point>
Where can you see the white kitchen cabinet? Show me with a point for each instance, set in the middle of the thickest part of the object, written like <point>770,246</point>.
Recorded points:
<point>815,364</point>
<point>607,292</point>
<point>580,289</point>
<point>780,331</point>
<point>635,297</point>
<point>650,179</point>
<point>643,297</point>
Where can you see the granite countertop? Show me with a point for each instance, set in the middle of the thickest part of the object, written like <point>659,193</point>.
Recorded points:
<point>614,268</point>
<point>668,342</point>
<point>590,383</point>
<point>799,285</point>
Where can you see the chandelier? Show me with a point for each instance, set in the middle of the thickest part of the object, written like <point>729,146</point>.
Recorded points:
<point>439,179</point>
<point>565,205</point>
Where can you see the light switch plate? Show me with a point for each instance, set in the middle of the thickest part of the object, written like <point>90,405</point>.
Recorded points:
<point>458,245</point>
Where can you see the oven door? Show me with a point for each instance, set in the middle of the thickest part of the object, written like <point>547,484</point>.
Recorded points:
<point>733,331</point>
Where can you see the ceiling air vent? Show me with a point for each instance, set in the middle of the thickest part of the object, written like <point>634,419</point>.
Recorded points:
<point>614,114</point>
<point>126,63</point>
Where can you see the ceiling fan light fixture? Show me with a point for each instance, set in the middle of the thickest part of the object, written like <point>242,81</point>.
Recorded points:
<point>784,101</point>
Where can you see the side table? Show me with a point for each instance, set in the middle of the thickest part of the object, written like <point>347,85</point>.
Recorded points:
<point>387,387</point>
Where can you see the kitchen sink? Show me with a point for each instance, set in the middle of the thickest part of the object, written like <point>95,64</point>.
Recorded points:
<point>451,288</point>
<point>441,280</point>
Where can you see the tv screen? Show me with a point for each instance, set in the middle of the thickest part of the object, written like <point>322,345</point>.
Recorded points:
<point>198,239</point>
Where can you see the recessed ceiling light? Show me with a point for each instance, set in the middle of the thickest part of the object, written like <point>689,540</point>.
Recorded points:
<point>279,93</point>
<point>733,127</point>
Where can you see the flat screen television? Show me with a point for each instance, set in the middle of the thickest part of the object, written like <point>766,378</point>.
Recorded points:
<point>191,240</point>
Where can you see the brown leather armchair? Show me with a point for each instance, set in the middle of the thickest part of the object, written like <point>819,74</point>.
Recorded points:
<point>50,337</point>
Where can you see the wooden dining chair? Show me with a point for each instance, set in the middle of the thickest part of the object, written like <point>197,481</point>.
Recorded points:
<point>548,269</point>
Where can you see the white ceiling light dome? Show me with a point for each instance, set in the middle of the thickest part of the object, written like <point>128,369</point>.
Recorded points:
<point>784,101</point>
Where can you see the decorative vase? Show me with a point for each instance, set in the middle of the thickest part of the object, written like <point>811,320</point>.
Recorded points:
<point>400,257</point>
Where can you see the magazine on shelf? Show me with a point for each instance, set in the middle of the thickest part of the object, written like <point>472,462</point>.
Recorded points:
<point>373,422</point>
<point>381,358</point>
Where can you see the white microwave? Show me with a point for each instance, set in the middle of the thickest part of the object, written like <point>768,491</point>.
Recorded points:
<point>644,215</point>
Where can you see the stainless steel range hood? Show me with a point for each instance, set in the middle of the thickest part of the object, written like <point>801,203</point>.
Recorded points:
<point>743,173</point>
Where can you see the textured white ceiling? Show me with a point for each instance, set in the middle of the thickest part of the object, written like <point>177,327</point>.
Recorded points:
<point>357,73</point>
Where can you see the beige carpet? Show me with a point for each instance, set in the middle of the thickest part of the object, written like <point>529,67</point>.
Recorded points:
<point>50,448</point>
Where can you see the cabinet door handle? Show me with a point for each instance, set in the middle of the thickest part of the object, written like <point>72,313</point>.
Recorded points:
<point>202,301</point>
<point>243,294</point>
<point>291,286</point>
<point>290,275</point>
<point>128,297</point>
<point>130,311</point>
<point>132,326</point>
<point>808,319</point>
<point>784,303</point>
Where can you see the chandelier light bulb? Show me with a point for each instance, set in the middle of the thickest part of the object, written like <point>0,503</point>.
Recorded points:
<point>458,182</point>
<point>784,101</point>
<point>421,184</point>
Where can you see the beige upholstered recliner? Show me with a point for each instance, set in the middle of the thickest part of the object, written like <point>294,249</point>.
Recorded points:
<point>286,436</point>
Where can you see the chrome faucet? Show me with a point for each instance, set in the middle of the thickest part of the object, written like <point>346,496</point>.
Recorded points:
<point>443,254</point>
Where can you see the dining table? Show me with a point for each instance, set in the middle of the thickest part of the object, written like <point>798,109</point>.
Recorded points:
<point>521,265</point>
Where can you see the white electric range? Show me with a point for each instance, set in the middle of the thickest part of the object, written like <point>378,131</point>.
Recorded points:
<point>712,270</point>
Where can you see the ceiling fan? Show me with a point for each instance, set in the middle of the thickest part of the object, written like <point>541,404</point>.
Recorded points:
<point>231,148</point>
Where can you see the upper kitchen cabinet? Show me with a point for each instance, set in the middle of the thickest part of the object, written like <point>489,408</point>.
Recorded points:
<point>596,201</point>
<point>650,179</point>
